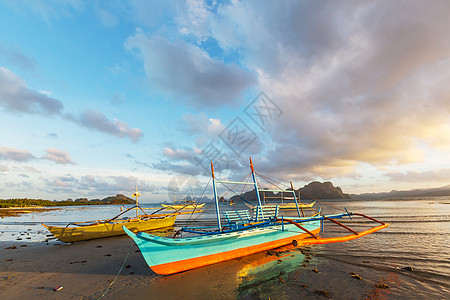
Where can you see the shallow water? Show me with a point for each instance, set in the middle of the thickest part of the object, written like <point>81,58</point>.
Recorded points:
<point>418,237</point>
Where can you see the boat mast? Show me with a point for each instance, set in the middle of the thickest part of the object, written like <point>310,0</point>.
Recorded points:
<point>296,202</point>
<point>215,197</point>
<point>256,187</point>
<point>136,194</point>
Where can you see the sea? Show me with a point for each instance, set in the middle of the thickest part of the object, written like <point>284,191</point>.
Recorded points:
<point>410,259</point>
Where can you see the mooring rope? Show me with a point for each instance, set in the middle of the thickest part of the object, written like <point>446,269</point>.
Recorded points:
<point>120,270</point>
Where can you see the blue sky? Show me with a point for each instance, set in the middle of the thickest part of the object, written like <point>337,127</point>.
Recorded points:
<point>98,96</point>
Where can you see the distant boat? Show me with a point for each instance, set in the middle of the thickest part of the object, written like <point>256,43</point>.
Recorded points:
<point>186,204</point>
<point>242,235</point>
<point>81,231</point>
<point>287,206</point>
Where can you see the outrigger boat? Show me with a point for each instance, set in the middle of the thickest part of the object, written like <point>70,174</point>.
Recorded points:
<point>81,231</point>
<point>184,205</point>
<point>188,205</point>
<point>242,235</point>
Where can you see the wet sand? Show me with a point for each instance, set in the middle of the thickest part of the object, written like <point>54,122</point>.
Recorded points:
<point>86,270</point>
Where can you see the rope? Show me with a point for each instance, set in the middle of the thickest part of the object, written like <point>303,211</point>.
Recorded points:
<point>120,270</point>
<point>267,179</point>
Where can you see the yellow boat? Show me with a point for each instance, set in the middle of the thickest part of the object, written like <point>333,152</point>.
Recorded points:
<point>81,231</point>
<point>183,206</point>
<point>106,228</point>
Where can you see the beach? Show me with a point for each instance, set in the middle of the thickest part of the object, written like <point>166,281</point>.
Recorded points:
<point>85,271</point>
<point>32,269</point>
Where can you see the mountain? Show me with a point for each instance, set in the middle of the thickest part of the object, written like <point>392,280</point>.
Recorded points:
<point>324,190</point>
<point>431,192</point>
<point>118,199</point>
<point>315,189</point>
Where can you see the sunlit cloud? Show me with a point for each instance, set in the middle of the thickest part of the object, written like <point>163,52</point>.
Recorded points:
<point>439,175</point>
<point>12,154</point>
<point>58,156</point>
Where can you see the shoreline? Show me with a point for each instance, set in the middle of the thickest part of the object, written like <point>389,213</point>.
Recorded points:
<point>86,270</point>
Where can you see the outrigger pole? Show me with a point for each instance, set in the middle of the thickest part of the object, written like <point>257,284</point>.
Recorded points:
<point>256,188</point>
<point>296,202</point>
<point>215,197</point>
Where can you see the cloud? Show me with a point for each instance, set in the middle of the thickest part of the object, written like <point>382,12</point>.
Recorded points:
<point>58,156</point>
<point>47,10</point>
<point>4,168</point>
<point>107,18</point>
<point>93,119</point>
<point>356,89</point>
<point>187,73</point>
<point>439,175</point>
<point>18,58</point>
<point>15,155</point>
<point>203,128</point>
<point>97,185</point>
<point>15,96</point>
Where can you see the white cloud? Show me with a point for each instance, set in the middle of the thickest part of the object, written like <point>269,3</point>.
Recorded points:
<point>203,128</point>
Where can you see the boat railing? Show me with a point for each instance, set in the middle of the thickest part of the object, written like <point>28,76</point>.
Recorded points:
<point>265,212</point>
<point>237,217</point>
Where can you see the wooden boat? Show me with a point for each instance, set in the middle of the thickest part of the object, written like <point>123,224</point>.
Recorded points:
<point>106,228</point>
<point>183,205</point>
<point>243,235</point>
<point>188,205</point>
<point>81,231</point>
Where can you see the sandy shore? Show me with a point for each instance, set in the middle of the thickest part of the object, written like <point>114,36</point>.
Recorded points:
<point>86,270</point>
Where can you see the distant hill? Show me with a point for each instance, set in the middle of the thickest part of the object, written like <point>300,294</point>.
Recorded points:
<point>432,192</point>
<point>315,189</point>
<point>117,199</point>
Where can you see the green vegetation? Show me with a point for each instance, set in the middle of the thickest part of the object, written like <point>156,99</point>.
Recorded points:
<point>25,202</point>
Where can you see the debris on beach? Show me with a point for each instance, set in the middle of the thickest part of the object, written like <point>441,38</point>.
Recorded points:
<point>99,246</point>
<point>382,286</point>
<point>322,293</point>
<point>315,270</point>
<point>410,269</point>
<point>281,280</point>
<point>12,247</point>
<point>356,276</point>
<point>58,288</point>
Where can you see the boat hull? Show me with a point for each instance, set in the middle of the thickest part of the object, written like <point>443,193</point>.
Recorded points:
<point>96,231</point>
<point>167,256</point>
<point>179,206</point>
<point>291,206</point>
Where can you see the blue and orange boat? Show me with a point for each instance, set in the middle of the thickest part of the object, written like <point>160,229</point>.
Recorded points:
<point>242,235</point>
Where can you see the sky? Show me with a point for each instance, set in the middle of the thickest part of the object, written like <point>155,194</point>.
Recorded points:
<point>97,97</point>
